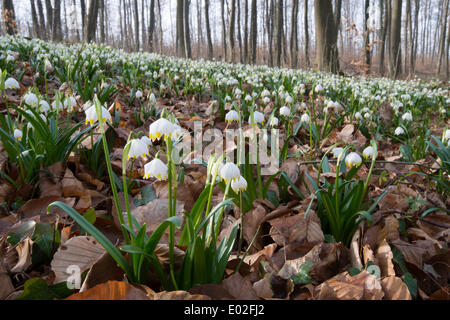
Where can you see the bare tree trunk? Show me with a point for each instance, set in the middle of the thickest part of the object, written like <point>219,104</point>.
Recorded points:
<point>49,9</point>
<point>293,41</point>
<point>395,53</point>
<point>160,28</point>
<point>279,31</point>
<point>136,23</point>
<point>91,23</point>
<point>367,49</point>
<point>34,17</point>
<point>231,28</point>
<point>416,36</point>
<point>305,21</point>
<point>102,21</point>
<point>41,19</point>
<point>246,31</point>
<point>269,28</point>
<point>208,30</point>
<point>253,31</point>
<point>199,27</point>
<point>151,25</point>
<point>224,36</point>
<point>442,38</point>
<point>9,17</point>
<point>187,34</point>
<point>384,29</point>
<point>239,31</point>
<point>410,37</point>
<point>56,25</point>
<point>326,37</point>
<point>180,47</point>
<point>122,28</point>
<point>83,15</point>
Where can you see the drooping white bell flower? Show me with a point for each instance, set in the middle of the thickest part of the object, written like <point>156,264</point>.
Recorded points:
<point>231,116</point>
<point>91,115</point>
<point>266,100</point>
<point>399,131</point>
<point>305,118</point>
<point>138,94</point>
<point>274,121</point>
<point>11,83</point>
<point>18,134</point>
<point>368,152</point>
<point>70,103</point>
<point>353,159</point>
<point>447,135</point>
<point>152,98</point>
<point>358,116</point>
<point>163,128</point>
<point>44,106</point>
<point>31,99</point>
<point>239,184</point>
<point>138,148</point>
<point>285,111</point>
<point>57,105</point>
<point>407,116</point>
<point>258,117</point>
<point>318,88</point>
<point>146,140</point>
<point>288,98</point>
<point>337,151</point>
<point>229,171</point>
<point>156,169</point>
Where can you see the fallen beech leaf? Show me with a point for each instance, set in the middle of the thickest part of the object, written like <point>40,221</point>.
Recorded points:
<point>24,255</point>
<point>412,253</point>
<point>346,133</point>
<point>354,250</point>
<point>263,288</point>
<point>71,186</point>
<point>368,255</point>
<point>389,231</point>
<point>384,257</point>
<point>239,287</point>
<point>178,295</point>
<point>251,223</point>
<point>6,286</point>
<point>81,251</point>
<point>395,289</point>
<point>111,290</point>
<point>104,269</point>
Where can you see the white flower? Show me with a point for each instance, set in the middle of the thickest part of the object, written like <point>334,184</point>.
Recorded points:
<point>138,94</point>
<point>91,115</point>
<point>57,105</point>
<point>368,152</point>
<point>248,98</point>
<point>367,115</point>
<point>152,98</point>
<point>265,93</point>
<point>229,171</point>
<point>407,117</point>
<point>399,131</point>
<point>146,140</point>
<point>318,88</point>
<point>156,169</point>
<point>163,128</point>
<point>274,121</point>
<point>353,159</point>
<point>447,135</point>
<point>11,83</point>
<point>138,148</point>
<point>239,184</point>
<point>231,116</point>
<point>18,134</point>
<point>285,111</point>
<point>266,100</point>
<point>337,151</point>
<point>305,118</point>
<point>44,106</point>
<point>31,99</point>
<point>70,102</point>
<point>288,99</point>
<point>258,117</point>
<point>358,116</point>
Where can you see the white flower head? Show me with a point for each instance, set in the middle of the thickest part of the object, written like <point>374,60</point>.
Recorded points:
<point>146,140</point>
<point>138,148</point>
<point>229,171</point>
<point>44,106</point>
<point>138,94</point>
<point>156,169</point>
<point>337,151</point>
<point>70,102</point>
<point>258,117</point>
<point>447,135</point>
<point>274,121</point>
<point>231,116</point>
<point>305,118</point>
<point>353,159</point>
<point>407,116</point>
<point>239,184</point>
<point>31,99</point>
<point>11,83</point>
<point>18,134</point>
<point>358,116</point>
<point>91,115</point>
<point>163,128</point>
<point>288,98</point>
<point>285,111</point>
<point>368,152</point>
<point>399,131</point>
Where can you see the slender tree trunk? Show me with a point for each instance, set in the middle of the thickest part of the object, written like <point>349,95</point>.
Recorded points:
<point>253,32</point>
<point>136,23</point>
<point>305,22</point>
<point>83,15</point>
<point>41,19</point>
<point>56,26</point>
<point>208,30</point>
<point>9,17</point>
<point>416,35</point>
<point>293,41</point>
<point>246,31</point>
<point>269,28</point>
<point>367,49</point>
<point>49,9</point>
<point>231,28</point>
<point>91,23</point>
<point>384,29</point>
<point>180,47</point>
<point>102,21</point>
<point>442,38</point>
<point>239,31</point>
<point>410,37</point>
<point>224,36</point>
<point>160,28</point>
<point>151,26</point>
<point>187,33</point>
<point>326,37</point>
<point>34,17</point>
<point>395,54</point>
